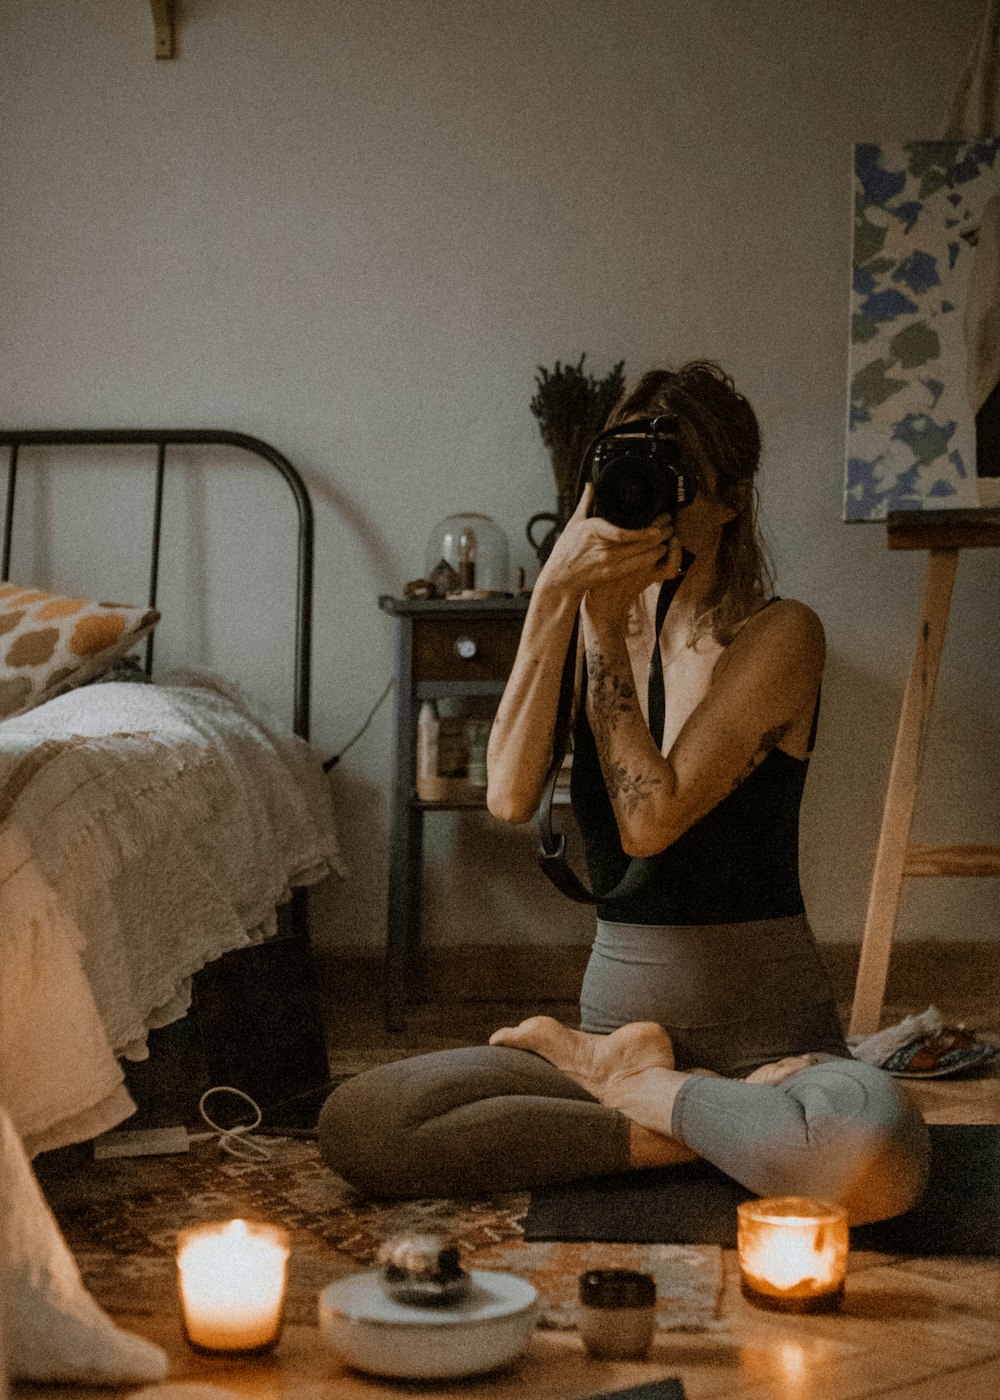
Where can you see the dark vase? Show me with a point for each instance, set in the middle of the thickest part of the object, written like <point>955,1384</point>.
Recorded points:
<point>542,545</point>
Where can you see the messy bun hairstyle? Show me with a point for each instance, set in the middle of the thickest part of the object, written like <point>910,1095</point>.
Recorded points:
<point>720,439</point>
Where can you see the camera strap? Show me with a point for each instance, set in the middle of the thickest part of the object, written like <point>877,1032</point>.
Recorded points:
<point>552,843</point>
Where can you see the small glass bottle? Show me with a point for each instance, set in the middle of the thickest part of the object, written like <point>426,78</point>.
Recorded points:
<point>466,559</point>
<point>477,735</point>
<point>428,733</point>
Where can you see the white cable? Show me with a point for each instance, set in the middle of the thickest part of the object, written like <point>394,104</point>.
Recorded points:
<point>232,1140</point>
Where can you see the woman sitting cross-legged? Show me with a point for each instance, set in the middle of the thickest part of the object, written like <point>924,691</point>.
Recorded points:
<point>708,1028</point>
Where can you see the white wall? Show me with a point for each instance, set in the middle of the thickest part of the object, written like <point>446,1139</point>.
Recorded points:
<point>355,229</point>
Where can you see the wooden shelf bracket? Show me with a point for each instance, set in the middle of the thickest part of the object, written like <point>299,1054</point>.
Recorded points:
<point>165,27</point>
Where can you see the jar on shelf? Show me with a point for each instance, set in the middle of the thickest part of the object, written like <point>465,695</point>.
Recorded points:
<point>475,548</point>
<point>477,734</point>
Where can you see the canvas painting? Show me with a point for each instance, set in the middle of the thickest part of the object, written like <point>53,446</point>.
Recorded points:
<point>924,419</point>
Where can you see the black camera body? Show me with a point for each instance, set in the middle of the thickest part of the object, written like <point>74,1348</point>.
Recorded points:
<point>638,472</point>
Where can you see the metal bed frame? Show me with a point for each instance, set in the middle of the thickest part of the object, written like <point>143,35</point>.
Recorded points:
<point>278,968</point>
<point>161,439</point>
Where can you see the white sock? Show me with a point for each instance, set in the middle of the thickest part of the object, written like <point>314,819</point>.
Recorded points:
<point>55,1330</point>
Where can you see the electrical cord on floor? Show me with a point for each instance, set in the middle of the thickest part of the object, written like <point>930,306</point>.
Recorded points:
<point>332,762</point>
<point>235,1141</point>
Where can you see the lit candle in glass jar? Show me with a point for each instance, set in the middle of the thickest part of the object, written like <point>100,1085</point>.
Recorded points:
<point>793,1253</point>
<point>231,1278</point>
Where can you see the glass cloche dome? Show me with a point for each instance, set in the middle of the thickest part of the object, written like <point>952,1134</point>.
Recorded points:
<point>475,547</point>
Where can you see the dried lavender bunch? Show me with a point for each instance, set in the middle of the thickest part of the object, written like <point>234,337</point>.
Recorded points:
<point>571,408</point>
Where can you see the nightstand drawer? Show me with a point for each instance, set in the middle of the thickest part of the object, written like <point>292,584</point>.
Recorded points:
<point>464,649</point>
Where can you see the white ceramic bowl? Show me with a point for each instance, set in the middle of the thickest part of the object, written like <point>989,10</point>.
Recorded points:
<point>373,1333</point>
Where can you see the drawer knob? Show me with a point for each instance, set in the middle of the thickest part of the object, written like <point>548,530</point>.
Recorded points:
<point>465,647</point>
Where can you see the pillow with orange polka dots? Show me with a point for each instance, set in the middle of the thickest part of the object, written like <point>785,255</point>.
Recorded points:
<point>49,644</point>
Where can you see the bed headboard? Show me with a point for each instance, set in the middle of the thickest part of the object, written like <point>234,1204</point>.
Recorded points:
<point>161,439</point>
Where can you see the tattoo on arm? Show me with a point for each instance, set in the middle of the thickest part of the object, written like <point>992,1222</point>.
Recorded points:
<point>628,789</point>
<point>769,740</point>
<point>612,696</point>
<point>611,693</point>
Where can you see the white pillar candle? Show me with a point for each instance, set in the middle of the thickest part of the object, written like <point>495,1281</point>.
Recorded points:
<point>231,1278</point>
<point>793,1252</point>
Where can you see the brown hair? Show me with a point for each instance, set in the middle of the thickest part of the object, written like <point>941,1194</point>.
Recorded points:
<point>720,439</point>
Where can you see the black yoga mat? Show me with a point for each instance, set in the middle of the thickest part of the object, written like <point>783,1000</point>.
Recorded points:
<point>695,1204</point>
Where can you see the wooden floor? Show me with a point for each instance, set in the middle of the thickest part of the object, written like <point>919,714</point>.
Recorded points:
<point>913,1329</point>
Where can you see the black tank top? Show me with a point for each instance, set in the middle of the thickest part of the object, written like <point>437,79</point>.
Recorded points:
<point>739,862</point>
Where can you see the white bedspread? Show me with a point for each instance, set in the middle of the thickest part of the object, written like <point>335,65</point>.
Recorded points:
<point>144,831</point>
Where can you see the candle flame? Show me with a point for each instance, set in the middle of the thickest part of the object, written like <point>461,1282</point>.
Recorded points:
<point>232,1283</point>
<point>787,1257</point>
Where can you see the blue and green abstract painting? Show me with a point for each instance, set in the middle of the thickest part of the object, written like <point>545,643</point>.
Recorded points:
<point>918,214</point>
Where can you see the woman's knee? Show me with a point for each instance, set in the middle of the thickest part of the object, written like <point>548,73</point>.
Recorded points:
<point>892,1174</point>
<point>416,1127</point>
<point>868,1145</point>
<point>840,1131</point>
<point>361,1131</point>
<point>379,1129</point>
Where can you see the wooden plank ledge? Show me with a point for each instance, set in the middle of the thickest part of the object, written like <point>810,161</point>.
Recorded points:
<point>968,861</point>
<point>943,529</point>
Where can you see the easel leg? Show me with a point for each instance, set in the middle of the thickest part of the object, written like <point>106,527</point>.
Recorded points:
<point>901,795</point>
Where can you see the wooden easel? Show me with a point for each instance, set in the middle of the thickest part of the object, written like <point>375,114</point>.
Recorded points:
<point>943,533</point>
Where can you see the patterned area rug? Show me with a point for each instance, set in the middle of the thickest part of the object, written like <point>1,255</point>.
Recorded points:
<point>121,1216</point>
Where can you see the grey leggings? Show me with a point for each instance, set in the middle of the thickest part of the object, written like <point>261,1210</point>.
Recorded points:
<point>487,1119</point>
<point>732,996</point>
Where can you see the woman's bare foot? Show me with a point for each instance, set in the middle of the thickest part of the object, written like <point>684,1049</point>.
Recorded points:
<point>596,1062</point>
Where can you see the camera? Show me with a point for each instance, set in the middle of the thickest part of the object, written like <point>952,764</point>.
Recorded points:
<point>638,471</point>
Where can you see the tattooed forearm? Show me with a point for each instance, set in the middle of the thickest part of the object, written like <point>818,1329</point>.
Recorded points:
<point>769,740</point>
<point>610,696</point>
<point>626,789</point>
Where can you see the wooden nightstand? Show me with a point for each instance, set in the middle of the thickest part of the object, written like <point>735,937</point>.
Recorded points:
<point>443,648</point>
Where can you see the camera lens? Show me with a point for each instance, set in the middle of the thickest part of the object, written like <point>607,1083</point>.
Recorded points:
<point>630,491</point>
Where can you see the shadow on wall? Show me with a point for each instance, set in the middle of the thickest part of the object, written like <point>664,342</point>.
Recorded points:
<point>957,800</point>
<point>482,885</point>
<point>343,912</point>
<point>374,542</point>
<point>845,792</point>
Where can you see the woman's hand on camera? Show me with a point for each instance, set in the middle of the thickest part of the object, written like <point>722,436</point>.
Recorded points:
<point>592,555</point>
<point>611,601</point>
